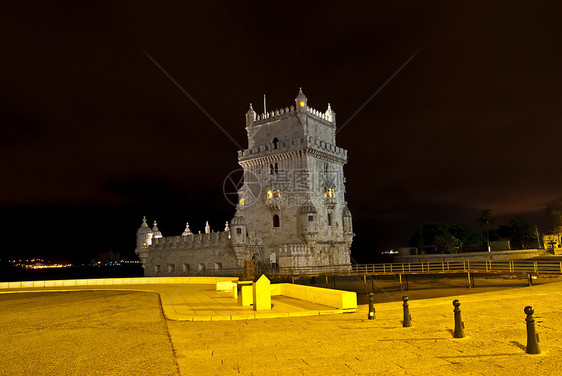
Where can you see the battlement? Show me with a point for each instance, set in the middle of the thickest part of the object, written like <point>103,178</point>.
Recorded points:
<point>283,113</point>
<point>292,145</point>
<point>212,238</point>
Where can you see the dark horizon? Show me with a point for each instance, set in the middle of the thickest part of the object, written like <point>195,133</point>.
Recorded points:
<point>95,135</point>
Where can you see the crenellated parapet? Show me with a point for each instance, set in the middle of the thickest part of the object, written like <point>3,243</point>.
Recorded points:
<point>309,143</point>
<point>193,240</point>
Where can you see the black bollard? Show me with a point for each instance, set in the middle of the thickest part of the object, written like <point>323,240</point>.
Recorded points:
<point>371,307</point>
<point>459,325</point>
<point>407,318</point>
<point>532,336</point>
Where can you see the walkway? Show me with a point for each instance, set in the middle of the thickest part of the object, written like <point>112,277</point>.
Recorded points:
<point>192,302</point>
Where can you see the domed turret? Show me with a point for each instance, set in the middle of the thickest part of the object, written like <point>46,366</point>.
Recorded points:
<point>250,116</point>
<point>187,230</point>
<point>347,225</point>
<point>144,236</point>
<point>301,104</point>
<point>155,231</point>
<point>309,222</point>
<point>238,229</point>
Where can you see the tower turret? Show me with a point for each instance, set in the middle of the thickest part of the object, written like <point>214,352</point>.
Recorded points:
<point>250,116</point>
<point>301,102</point>
<point>309,222</point>
<point>238,229</point>
<point>347,225</point>
<point>144,239</point>
<point>155,231</point>
<point>187,230</point>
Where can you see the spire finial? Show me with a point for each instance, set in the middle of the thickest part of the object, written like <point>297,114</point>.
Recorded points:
<point>187,231</point>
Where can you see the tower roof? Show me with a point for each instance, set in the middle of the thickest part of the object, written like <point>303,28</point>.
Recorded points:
<point>156,232</point>
<point>238,219</point>
<point>144,229</point>
<point>187,230</point>
<point>308,208</point>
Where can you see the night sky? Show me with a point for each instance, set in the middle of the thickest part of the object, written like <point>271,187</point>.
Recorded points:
<point>94,135</point>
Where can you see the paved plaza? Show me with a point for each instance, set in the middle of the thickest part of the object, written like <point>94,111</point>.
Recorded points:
<point>115,332</point>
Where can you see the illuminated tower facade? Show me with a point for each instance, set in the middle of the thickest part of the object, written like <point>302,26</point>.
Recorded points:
<point>292,202</point>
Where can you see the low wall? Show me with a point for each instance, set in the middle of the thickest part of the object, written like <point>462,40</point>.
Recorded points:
<point>117,281</point>
<point>473,256</point>
<point>332,298</point>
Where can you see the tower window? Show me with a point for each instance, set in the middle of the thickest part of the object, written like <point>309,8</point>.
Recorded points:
<point>274,142</point>
<point>156,268</point>
<point>310,218</point>
<point>329,219</point>
<point>272,193</point>
<point>238,230</point>
<point>276,169</point>
<point>171,268</point>
<point>186,268</point>
<point>271,170</point>
<point>275,220</point>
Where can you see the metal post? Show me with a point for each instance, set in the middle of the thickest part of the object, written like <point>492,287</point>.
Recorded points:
<point>407,317</point>
<point>371,307</point>
<point>532,336</point>
<point>459,325</point>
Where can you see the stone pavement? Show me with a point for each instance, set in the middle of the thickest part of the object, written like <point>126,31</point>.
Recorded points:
<point>193,302</point>
<point>349,344</point>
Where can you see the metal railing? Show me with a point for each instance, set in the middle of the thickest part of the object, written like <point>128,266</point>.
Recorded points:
<point>514,266</point>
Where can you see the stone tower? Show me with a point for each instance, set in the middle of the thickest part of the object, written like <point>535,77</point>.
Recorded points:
<point>293,197</point>
<point>144,240</point>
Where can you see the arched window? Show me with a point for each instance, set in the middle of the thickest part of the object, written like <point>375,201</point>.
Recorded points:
<point>274,142</point>
<point>271,170</point>
<point>329,219</point>
<point>276,169</point>
<point>275,220</point>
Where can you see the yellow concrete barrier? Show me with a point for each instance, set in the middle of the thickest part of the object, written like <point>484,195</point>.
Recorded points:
<point>332,298</point>
<point>119,281</point>
<point>225,285</point>
<point>246,296</point>
<point>262,294</point>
